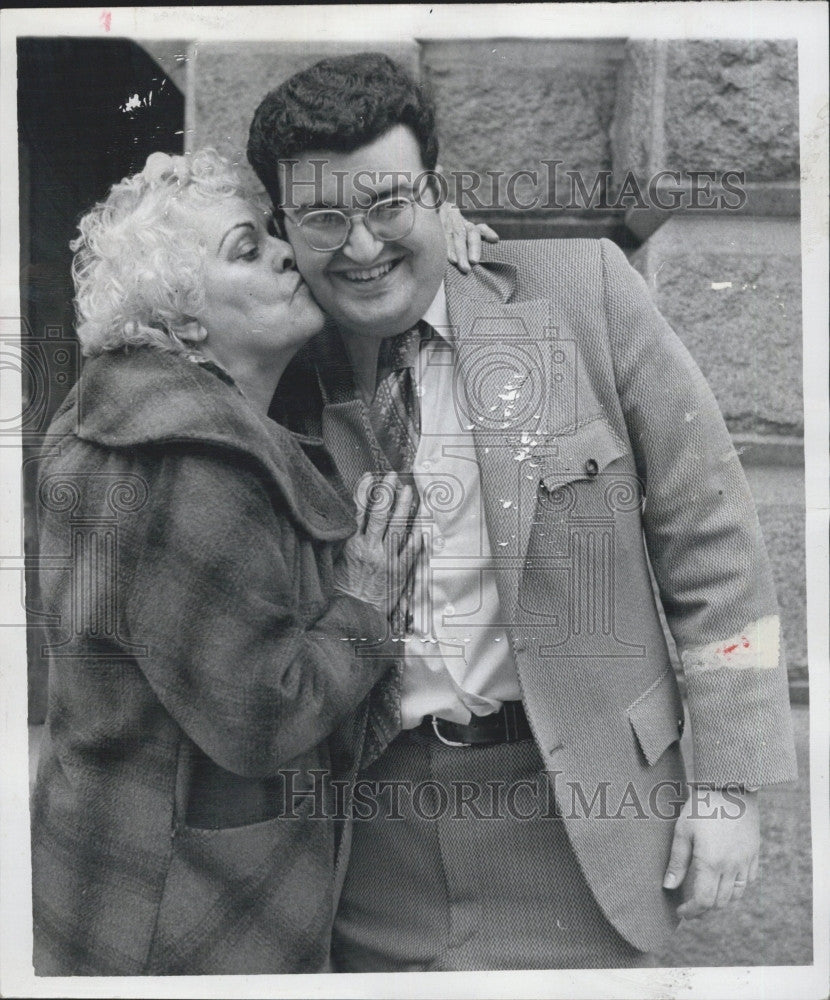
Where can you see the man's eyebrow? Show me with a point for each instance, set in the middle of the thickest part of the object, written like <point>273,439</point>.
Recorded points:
<point>238,225</point>
<point>394,186</point>
<point>363,199</point>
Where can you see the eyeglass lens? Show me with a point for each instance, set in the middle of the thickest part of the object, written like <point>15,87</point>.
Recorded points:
<point>386,220</point>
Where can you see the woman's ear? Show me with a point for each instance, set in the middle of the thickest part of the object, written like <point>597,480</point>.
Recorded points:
<point>190,331</point>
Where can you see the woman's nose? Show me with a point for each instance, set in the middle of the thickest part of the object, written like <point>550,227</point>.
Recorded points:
<point>283,256</point>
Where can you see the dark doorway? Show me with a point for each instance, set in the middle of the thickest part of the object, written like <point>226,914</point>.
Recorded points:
<point>89,113</point>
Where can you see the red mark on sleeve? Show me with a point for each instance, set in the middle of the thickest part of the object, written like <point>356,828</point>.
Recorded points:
<point>730,649</point>
<point>745,642</point>
<point>106,19</point>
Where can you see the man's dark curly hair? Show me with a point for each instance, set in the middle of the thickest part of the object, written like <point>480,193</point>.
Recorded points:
<point>338,104</point>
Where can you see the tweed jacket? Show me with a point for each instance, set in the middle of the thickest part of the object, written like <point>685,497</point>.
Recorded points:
<point>198,665</point>
<point>604,462</point>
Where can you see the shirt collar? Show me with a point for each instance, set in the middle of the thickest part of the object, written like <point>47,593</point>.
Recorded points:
<point>438,316</point>
<point>401,350</point>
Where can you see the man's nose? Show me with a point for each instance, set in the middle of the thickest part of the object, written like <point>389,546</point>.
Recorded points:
<point>362,246</point>
<point>282,256</point>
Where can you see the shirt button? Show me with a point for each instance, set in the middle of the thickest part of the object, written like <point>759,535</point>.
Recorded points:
<point>438,543</point>
<point>591,467</point>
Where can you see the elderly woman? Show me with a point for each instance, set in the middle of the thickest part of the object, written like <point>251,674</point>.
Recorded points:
<point>218,622</point>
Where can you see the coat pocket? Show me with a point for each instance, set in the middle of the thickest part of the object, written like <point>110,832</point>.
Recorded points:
<point>657,717</point>
<point>582,455</point>
<point>246,900</point>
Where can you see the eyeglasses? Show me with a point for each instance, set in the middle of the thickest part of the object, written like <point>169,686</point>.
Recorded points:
<point>327,229</point>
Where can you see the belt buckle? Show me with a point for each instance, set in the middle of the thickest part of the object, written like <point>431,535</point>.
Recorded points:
<point>450,743</point>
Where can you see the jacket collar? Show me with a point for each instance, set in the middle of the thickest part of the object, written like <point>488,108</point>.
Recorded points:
<point>150,397</point>
<point>493,281</point>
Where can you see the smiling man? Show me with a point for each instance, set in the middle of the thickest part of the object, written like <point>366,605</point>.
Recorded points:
<point>559,437</point>
<point>371,284</point>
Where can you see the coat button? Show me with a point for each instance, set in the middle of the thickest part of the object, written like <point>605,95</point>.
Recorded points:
<point>591,467</point>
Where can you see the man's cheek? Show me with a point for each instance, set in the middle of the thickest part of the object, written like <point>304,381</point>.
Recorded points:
<point>306,260</point>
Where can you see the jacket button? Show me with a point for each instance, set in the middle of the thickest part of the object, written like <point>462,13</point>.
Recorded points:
<point>591,467</point>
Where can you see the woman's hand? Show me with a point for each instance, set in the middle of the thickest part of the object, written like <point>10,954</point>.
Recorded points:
<point>463,237</point>
<point>376,562</point>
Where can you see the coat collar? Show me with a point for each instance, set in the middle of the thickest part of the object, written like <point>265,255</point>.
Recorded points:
<point>149,397</point>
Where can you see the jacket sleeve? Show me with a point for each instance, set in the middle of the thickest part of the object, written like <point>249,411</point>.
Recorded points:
<point>246,647</point>
<point>704,543</point>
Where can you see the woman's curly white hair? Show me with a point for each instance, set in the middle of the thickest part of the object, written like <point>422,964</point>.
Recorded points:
<point>138,266</point>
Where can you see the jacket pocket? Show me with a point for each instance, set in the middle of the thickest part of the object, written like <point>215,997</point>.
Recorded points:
<point>582,455</point>
<point>657,717</point>
<point>250,899</point>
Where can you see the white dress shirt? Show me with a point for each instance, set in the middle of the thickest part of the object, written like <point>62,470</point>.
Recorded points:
<point>458,661</point>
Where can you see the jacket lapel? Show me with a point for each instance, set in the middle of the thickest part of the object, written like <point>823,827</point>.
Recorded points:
<point>344,423</point>
<point>504,358</point>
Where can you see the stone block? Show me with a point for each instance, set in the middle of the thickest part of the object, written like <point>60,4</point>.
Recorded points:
<point>227,80</point>
<point>733,104</point>
<point>726,104</point>
<point>636,129</point>
<point>731,289</point>
<point>509,105</point>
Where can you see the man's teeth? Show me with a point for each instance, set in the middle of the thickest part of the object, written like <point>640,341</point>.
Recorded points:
<point>370,273</point>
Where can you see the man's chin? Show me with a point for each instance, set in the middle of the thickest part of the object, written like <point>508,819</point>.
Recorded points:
<point>375,323</point>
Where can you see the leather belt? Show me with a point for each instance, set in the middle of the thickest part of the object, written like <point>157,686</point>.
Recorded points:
<point>508,725</point>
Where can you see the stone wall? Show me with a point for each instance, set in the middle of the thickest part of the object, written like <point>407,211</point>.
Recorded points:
<point>227,80</point>
<point>511,105</point>
<point>729,280</point>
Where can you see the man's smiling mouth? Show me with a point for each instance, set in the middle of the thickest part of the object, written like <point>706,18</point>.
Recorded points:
<point>366,274</point>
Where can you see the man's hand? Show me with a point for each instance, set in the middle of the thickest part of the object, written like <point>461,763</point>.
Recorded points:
<point>715,847</point>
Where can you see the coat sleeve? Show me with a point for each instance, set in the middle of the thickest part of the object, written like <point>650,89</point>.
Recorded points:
<point>704,543</point>
<point>247,648</point>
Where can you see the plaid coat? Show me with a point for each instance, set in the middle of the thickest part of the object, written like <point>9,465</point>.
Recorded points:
<point>199,664</point>
<point>603,455</point>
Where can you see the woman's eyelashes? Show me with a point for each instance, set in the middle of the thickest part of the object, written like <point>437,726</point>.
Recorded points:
<point>249,252</point>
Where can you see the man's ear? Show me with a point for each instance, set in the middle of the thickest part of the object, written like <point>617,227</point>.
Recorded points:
<point>190,331</point>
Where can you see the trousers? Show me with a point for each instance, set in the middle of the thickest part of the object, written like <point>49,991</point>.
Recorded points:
<point>459,861</point>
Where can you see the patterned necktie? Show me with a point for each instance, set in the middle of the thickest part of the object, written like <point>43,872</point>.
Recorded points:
<point>395,416</point>
<point>395,412</point>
